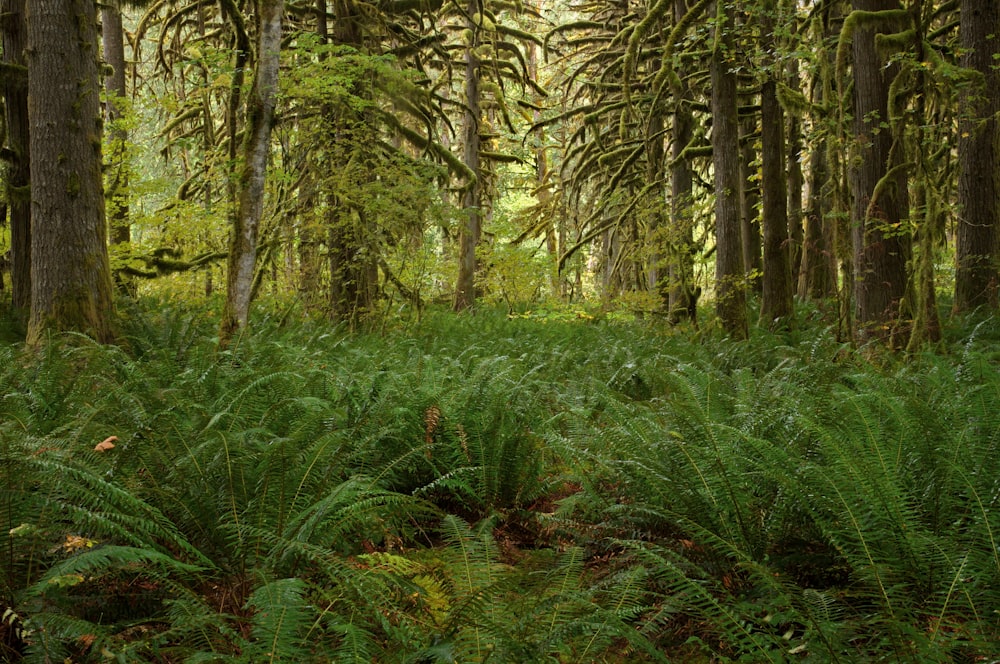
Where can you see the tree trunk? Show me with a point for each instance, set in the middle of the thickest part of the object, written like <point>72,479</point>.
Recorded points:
<point>796,182</point>
<point>353,266</point>
<point>543,188</point>
<point>70,273</point>
<point>818,274</point>
<point>260,112</point>
<point>15,97</point>
<point>776,282</point>
<point>465,288</point>
<point>310,224</point>
<point>683,296</point>
<point>749,205</point>
<point>926,322</point>
<point>879,207</point>
<point>117,172</point>
<point>978,242</point>
<point>353,249</point>
<point>656,276</point>
<point>730,278</point>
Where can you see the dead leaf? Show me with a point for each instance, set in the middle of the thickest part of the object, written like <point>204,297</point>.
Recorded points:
<point>75,543</point>
<point>106,444</point>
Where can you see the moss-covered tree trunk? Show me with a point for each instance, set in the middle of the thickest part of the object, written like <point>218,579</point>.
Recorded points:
<point>656,276</point>
<point>112,36</point>
<point>776,282</point>
<point>730,279</point>
<point>796,180</point>
<point>256,148</point>
<point>118,167</point>
<point>310,224</point>
<point>353,264</point>
<point>978,241</point>
<point>543,187</point>
<point>352,246</point>
<point>465,287</point>
<point>750,202</point>
<point>879,205</point>
<point>818,274</point>
<point>15,98</point>
<point>70,273</point>
<point>683,295</point>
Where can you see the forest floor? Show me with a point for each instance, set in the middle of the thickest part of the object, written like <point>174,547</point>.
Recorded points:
<point>557,486</point>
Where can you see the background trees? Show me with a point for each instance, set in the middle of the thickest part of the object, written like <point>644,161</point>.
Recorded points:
<point>18,199</point>
<point>418,154</point>
<point>624,493</point>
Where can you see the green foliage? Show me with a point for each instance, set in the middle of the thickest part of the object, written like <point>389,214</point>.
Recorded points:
<point>483,488</point>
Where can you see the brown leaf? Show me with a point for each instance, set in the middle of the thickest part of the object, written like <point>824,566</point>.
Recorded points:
<point>106,444</point>
<point>75,543</point>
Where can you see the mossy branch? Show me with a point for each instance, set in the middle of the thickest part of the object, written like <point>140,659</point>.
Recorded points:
<point>887,180</point>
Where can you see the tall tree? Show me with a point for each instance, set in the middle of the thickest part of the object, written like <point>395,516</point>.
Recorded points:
<point>750,202</point>
<point>350,236</point>
<point>818,272</point>
<point>776,283</point>
<point>682,297</point>
<point>113,38</point>
<point>978,241</point>
<point>879,200</point>
<point>817,276</point>
<point>796,176</point>
<point>471,227</point>
<point>256,148</point>
<point>730,280</point>
<point>15,97</point>
<point>70,272</point>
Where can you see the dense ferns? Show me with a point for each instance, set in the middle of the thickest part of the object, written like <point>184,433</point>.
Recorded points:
<point>478,489</point>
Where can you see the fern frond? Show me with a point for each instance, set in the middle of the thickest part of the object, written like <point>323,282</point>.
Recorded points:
<point>280,621</point>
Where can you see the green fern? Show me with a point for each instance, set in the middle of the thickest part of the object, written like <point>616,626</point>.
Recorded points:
<point>280,621</point>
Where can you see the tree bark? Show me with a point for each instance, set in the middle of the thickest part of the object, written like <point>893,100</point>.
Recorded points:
<point>817,276</point>
<point>978,241</point>
<point>15,96</point>
<point>749,204</point>
<point>796,182</point>
<point>656,276</point>
<point>465,287</point>
<point>310,224</point>
<point>117,174</point>
<point>543,188</point>
<point>730,278</point>
<point>879,206</point>
<point>260,112</point>
<point>351,247</point>
<point>682,296</point>
<point>776,282</point>
<point>70,273</point>
<point>353,266</point>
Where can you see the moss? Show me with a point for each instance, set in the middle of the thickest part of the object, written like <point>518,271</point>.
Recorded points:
<point>73,184</point>
<point>79,311</point>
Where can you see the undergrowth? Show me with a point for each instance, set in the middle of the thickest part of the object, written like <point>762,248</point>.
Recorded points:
<point>483,489</point>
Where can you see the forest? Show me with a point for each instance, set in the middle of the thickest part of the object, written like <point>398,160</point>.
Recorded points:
<point>499,331</point>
